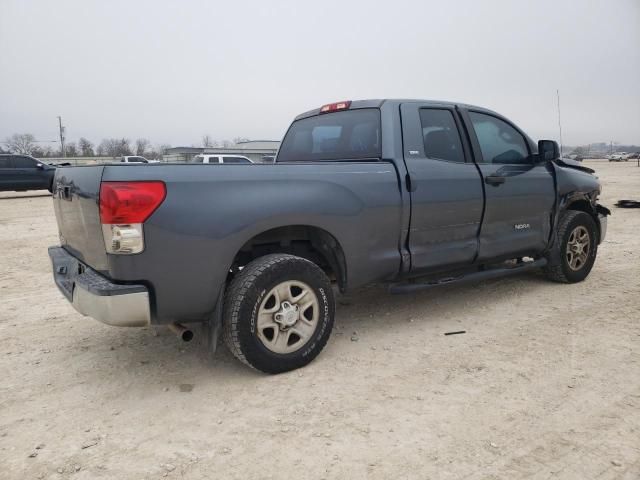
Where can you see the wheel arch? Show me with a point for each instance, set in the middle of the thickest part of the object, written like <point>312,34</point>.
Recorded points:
<point>307,241</point>
<point>584,203</point>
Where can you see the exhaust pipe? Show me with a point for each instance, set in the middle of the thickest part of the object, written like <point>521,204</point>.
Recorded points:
<point>181,331</point>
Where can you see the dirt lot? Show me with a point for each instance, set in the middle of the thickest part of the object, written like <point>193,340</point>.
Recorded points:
<point>544,384</point>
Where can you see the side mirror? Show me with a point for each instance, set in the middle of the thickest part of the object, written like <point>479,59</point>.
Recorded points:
<point>548,150</point>
<point>40,166</point>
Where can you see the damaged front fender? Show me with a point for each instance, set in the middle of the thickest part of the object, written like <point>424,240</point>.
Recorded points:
<point>603,213</point>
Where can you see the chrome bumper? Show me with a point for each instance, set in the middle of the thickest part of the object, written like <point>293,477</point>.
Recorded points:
<point>95,296</point>
<point>603,226</point>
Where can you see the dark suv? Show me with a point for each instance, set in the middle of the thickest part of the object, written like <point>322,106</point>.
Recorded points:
<point>23,172</point>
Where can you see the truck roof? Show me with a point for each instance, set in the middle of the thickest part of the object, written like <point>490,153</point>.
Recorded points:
<point>377,103</point>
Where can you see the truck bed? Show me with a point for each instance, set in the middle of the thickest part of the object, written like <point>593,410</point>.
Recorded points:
<point>211,211</point>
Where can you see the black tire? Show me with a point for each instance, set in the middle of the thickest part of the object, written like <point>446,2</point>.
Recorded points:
<point>561,271</point>
<point>245,295</point>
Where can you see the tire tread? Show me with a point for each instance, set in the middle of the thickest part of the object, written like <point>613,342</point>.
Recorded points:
<point>556,271</point>
<point>235,294</point>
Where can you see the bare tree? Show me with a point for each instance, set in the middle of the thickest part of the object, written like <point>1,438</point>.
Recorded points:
<point>114,147</point>
<point>21,143</point>
<point>86,147</point>
<point>156,152</point>
<point>141,146</point>
<point>207,141</point>
<point>124,147</point>
<point>107,147</point>
<point>47,151</point>
<point>71,150</point>
<point>227,143</point>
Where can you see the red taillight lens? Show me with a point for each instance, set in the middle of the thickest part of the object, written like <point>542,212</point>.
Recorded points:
<point>129,202</point>
<point>333,107</point>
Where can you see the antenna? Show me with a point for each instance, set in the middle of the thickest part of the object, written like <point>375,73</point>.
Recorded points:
<point>559,122</point>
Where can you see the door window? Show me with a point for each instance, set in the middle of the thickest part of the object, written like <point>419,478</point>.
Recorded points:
<point>499,141</point>
<point>24,162</point>
<point>5,162</point>
<point>440,135</point>
<point>235,160</point>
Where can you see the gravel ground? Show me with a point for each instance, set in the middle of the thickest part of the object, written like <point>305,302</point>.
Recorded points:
<point>544,384</point>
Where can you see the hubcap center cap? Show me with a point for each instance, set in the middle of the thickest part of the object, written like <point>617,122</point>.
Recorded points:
<point>288,315</point>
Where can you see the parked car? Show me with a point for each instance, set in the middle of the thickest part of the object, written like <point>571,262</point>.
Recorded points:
<point>23,172</point>
<point>206,158</point>
<point>619,157</point>
<point>413,193</point>
<point>133,159</point>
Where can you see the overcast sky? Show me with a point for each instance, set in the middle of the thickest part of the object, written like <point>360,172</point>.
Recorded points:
<point>172,71</point>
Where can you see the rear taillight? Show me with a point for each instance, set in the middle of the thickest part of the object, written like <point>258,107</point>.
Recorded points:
<point>129,202</point>
<point>124,207</point>
<point>334,107</point>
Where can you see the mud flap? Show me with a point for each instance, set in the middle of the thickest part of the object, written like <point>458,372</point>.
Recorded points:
<point>213,326</point>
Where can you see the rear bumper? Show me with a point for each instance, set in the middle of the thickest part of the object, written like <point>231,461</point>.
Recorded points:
<point>94,295</point>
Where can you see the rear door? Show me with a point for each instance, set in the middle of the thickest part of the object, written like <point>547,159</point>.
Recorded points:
<point>8,178</point>
<point>445,185</point>
<point>520,194</point>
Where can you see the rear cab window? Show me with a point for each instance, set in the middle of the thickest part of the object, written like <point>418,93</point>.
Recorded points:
<point>344,135</point>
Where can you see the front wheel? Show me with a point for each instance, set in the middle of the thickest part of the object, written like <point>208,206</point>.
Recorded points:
<point>278,313</point>
<point>578,245</point>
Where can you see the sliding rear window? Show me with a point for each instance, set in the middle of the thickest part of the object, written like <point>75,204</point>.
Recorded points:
<point>346,135</point>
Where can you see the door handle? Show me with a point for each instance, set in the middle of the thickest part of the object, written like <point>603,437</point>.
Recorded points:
<point>495,180</point>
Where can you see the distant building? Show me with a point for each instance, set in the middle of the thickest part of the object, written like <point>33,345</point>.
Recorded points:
<point>256,150</point>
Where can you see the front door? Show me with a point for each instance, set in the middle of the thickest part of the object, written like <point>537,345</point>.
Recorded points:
<point>27,173</point>
<point>520,193</point>
<point>445,185</point>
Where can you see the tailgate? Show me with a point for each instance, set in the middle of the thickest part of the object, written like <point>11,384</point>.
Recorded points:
<point>75,199</point>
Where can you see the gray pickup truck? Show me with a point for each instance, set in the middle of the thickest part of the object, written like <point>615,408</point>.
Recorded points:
<point>413,193</point>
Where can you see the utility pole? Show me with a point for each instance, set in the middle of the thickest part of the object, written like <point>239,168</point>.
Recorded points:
<point>61,136</point>
<point>559,123</point>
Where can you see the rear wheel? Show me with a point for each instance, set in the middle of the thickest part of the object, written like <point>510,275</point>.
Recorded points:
<point>578,245</point>
<point>278,313</point>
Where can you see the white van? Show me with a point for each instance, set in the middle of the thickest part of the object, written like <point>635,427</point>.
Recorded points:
<point>204,158</point>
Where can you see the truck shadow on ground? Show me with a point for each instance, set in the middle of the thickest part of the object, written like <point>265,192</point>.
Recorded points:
<point>17,195</point>
<point>162,358</point>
